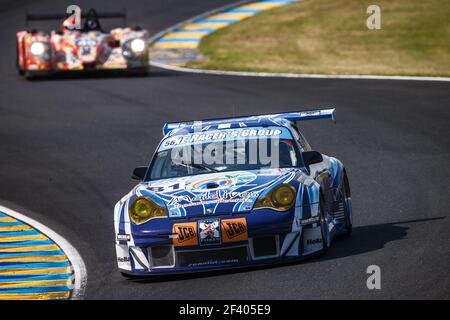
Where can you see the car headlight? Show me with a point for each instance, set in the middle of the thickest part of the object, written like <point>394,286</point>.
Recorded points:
<point>143,209</point>
<point>281,198</point>
<point>137,45</point>
<point>37,48</point>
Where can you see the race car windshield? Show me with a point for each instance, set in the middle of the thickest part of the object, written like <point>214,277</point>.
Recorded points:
<point>224,150</point>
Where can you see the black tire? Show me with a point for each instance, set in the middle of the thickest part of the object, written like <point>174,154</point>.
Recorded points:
<point>30,75</point>
<point>323,224</point>
<point>345,195</point>
<point>19,69</point>
<point>141,72</point>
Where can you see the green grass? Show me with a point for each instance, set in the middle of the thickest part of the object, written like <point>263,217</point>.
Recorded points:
<point>330,36</point>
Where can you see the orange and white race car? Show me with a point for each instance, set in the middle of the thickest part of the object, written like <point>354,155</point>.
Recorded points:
<point>88,48</point>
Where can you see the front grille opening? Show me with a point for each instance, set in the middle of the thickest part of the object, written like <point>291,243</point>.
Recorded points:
<point>265,246</point>
<point>162,256</point>
<point>211,257</point>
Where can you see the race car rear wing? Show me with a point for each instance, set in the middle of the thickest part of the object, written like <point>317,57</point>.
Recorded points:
<point>61,16</point>
<point>291,116</point>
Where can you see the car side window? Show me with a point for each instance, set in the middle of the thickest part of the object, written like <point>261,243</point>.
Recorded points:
<point>301,139</point>
<point>304,143</point>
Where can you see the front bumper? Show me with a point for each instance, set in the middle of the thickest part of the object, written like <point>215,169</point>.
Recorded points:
<point>271,242</point>
<point>216,266</point>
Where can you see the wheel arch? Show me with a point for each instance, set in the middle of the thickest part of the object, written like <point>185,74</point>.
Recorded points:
<point>345,180</point>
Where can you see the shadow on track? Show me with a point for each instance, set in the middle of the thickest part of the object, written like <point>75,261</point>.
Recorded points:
<point>373,237</point>
<point>101,75</point>
<point>363,239</point>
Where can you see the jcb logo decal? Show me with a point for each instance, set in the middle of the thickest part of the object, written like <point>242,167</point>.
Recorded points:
<point>234,230</point>
<point>186,234</point>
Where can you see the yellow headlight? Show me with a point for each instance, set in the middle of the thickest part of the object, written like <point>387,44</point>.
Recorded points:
<point>283,195</point>
<point>143,209</point>
<point>281,198</point>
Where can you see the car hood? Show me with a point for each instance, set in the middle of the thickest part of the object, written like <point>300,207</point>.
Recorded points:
<point>214,193</point>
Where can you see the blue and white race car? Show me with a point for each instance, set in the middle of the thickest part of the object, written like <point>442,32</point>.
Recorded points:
<point>232,192</point>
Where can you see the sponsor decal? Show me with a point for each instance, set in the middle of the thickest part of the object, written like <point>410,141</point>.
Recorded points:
<point>309,220</point>
<point>123,237</point>
<point>310,113</point>
<point>186,234</point>
<point>234,230</point>
<point>312,240</point>
<point>209,262</point>
<point>220,135</point>
<point>123,259</point>
<point>220,196</point>
<point>221,181</point>
<point>209,231</point>
<point>202,185</point>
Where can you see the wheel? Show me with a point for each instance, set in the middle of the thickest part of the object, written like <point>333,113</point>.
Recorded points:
<point>19,69</point>
<point>346,198</point>
<point>29,75</point>
<point>141,72</point>
<point>323,225</point>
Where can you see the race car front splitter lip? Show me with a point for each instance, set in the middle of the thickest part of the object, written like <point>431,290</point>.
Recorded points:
<point>199,270</point>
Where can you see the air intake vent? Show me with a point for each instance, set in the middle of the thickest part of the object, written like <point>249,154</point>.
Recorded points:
<point>264,247</point>
<point>162,256</point>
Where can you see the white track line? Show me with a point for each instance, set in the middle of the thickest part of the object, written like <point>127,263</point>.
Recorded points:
<point>77,262</point>
<point>294,75</point>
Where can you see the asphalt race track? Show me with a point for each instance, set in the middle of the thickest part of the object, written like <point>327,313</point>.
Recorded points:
<point>68,147</point>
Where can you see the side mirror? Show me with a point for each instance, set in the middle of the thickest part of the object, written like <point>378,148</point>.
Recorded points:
<point>139,173</point>
<point>311,157</point>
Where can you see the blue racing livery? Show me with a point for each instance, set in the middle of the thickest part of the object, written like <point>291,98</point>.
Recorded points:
<point>188,216</point>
